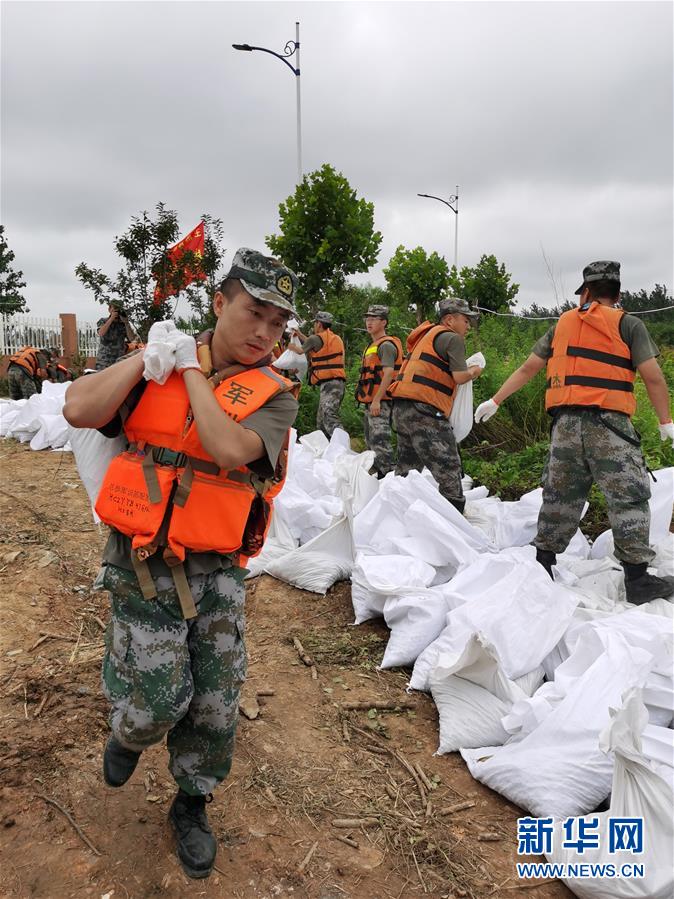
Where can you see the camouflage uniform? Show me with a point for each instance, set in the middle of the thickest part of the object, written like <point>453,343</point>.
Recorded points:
<point>583,450</point>
<point>21,385</point>
<point>425,437</point>
<point>181,679</point>
<point>329,401</point>
<point>112,346</point>
<point>377,433</point>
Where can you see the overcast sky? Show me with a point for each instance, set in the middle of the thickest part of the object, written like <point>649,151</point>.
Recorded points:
<point>555,120</point>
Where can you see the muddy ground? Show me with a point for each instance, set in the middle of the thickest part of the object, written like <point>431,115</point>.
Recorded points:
<point>302,763</point>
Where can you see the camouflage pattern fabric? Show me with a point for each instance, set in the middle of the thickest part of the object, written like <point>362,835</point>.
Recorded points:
<point>329,401</point>
<point>165,676</point>
<point>424,439</point>
<point>265,278</point>
<point>377,432</point>
<point>583,450</point>
<point>112,346</point>
<point>21,385</point>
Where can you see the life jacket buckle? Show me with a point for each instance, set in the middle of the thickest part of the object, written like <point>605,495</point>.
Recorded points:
<point>165,456</point>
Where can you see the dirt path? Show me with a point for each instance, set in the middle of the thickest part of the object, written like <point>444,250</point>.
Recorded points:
<point>301,764</point>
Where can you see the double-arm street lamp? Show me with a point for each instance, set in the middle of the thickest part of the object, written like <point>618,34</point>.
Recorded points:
<point>291,48</point>
<point>453,204</point>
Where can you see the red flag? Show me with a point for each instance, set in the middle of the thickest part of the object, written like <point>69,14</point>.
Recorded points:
<point>193,243</point>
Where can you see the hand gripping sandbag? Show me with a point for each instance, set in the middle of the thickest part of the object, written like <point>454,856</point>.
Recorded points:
<point>641,789</point>
<point>461,416</point>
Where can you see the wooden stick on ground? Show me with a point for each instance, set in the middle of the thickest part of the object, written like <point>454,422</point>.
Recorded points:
<point>457,807</point>
<point>367,704</point>
<point>425,781</point>
<point>304,657</point>
<point>351,823</point>
<point>307,858</point>
<point>347,840</point>
<point>41,705</point>
<point>403,761</point>
<point>73,654</point>
<point>85,839</point>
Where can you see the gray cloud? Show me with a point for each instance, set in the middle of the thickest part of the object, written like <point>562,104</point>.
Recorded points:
<point>554,118</point>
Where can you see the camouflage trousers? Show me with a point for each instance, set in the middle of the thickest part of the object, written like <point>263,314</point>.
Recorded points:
<point>584,450</point>
<point>21,385</point>
<point>165,676</point>
<point>377,433</point>
<point>427,440</point>
<point>329,401</point>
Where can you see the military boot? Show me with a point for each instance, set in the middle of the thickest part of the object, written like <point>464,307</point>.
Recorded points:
<point>119,763</point>
<point>196,843</point>
<point>642,587</point>
<point>547,559</point>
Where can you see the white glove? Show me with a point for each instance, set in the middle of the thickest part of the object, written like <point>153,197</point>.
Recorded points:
<point>667,431</point>
<point>485,411</point>
<point>161,332</point>
<point>186,353</point>
<point>159,354</point>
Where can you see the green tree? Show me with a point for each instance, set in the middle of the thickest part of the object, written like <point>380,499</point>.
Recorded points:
<point>486,285</point>
<point>416,280</point>
<point>143,249</point>
<point>327,233</point>
<point>658,298</point>
<point>11,282</point>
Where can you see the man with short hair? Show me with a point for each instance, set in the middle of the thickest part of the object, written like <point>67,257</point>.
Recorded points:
<point>325,352</point>
<point>114,334</point>
<point>381,362</point>
<point>187,503</point>
<point>424,393</point>
<point>592,356</point>
<point>26,371</point>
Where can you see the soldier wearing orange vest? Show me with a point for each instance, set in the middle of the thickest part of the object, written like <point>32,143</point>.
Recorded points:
<point>423,395</point>
<point>26,371</point>
<point>381,363</point>
<point>187,502</point>
<point>592,356</point>
<point>325,351</point>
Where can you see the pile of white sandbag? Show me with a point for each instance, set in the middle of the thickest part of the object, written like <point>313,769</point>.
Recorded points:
<point>38,419</point>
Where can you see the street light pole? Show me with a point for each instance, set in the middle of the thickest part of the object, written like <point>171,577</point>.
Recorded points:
<point>291,48</point>
<point>453,204</point>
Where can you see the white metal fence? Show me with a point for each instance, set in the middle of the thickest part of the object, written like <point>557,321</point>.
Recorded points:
<point>19,330</point>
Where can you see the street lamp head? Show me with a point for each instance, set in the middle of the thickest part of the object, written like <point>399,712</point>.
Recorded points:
<point>246,47</point>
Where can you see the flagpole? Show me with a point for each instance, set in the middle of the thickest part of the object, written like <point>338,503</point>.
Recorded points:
<point>299,105</point>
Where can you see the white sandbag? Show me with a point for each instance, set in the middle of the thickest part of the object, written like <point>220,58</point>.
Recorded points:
<point>290,361</point>
<point>316,442</point>
<point>377,525</point>
<point>54,430</point>
<point>663,562</point>
<point>558,769</point>
<point>353,484</point>
<point>340,443</point>
<point>640,789</point>
<point>443,542</point>
<point>93,453</point>
<point>472,694</point>
<point>367,603</point>
<point>522,616</point>
<point>320,563</point>
<point>279,542</point>
<point>391,574</point>
<point>461,416</point>
<point>415,620</point>
<point>599,583</point>
<point>8,416</point>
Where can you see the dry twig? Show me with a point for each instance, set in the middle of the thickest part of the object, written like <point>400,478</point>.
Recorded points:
<point>307,858</point>
<point>85,839</point>
<point>304,657</point>
<point>367,704</point>
<point>347,840</point>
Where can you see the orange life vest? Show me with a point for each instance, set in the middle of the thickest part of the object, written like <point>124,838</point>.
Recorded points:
<point>327,364</point>
<point>166,472</point>
<point>28,359</point>
<point>591,365</point>
<point>371,369</point>
<point>424,376</point>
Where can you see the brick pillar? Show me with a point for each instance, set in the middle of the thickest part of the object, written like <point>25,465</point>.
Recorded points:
<point>68,335</point>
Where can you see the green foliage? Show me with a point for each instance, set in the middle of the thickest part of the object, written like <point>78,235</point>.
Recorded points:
<point>417,281</point>
<point>486,285</point>
<point>11,282</point>
<point>143,249</point>
<point>327,233</point>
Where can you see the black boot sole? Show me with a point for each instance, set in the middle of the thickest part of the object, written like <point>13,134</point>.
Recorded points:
<point>194,873</point>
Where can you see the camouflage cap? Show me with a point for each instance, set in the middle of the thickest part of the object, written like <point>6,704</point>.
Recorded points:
<point>265,278</point>
<point>600,271</point>
<point>456,304</point>
<point>325,318</point>
<point>377,311</point>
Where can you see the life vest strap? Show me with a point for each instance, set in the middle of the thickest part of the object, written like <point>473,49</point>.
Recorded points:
<point>438,363</point>
<point>586,381</point>
<point>599,356</point>
<point>434,385</point>
<point>145,581</point>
